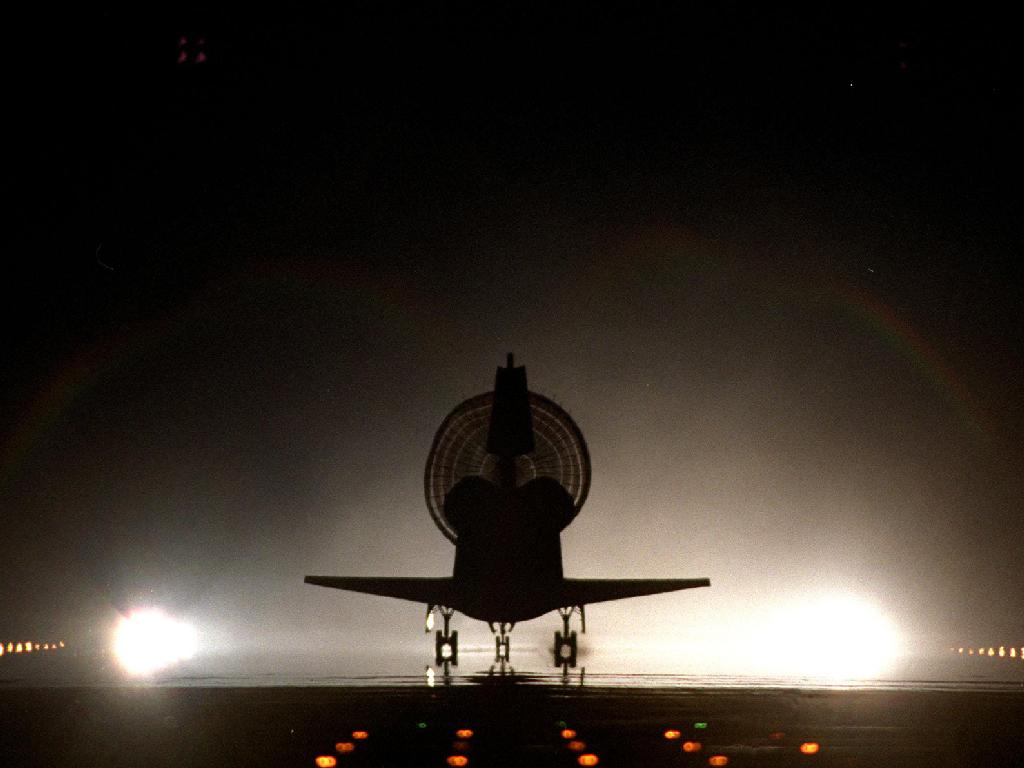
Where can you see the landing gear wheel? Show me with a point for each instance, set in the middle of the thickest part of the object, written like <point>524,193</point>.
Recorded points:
<point>446,643</point>
<point>565,641</point>
<point>501,648</point>
<point>502,642</point>
<point>565,650</point>
<point>446,648</point>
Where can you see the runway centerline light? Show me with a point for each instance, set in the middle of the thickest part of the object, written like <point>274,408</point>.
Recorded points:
<point>810,748</point>
<point>588,760</point>
<point>672,734</point>
<point>344,747</point>
<point>457,761</point>
<point>691,746</point>
<point>576,746</point>
<point>718,760</point>
<point>360,735</point>
<point>326,761</point>
<point>464,733</point>
<point>568,733</point>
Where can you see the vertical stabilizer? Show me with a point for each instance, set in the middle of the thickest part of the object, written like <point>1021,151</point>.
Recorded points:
<point>511,430</point>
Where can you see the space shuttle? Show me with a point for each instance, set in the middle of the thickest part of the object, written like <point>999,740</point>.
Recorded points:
<point>508,471</point>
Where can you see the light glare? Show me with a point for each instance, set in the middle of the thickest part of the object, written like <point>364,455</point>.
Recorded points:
<point>148,641</point>
<point>839,637</point>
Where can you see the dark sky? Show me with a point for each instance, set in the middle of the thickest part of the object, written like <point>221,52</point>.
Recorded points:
<point>769,262</point>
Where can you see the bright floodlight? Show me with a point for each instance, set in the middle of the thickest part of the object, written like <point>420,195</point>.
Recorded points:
<point>840,637</point>
<point>148,641</point>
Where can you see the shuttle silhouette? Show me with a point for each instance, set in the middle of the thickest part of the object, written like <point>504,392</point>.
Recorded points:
<point>507,472</point>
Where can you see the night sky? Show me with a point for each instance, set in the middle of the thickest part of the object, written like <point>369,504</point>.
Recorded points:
<point>769,262</point>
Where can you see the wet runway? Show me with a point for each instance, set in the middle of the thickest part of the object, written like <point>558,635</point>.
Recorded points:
<point>504,722</point>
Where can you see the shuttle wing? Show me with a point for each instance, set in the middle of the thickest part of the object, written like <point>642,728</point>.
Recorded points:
<point>587,591</point>
<point>448,592</point>
<point>434,591</point>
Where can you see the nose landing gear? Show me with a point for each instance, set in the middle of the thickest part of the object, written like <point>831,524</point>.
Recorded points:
<point>502,644</point>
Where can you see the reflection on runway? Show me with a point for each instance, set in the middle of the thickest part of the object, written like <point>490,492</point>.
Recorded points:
<point>561,743</point>
<point>512,724</point>
<point>529,725</point>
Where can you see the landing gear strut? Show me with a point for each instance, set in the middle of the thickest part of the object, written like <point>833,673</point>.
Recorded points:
<point>565,641</point>
<point>446,643</point>
<point>501,646</point>
<point>501,641</point>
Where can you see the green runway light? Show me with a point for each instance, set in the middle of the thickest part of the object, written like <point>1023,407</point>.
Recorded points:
<point>560,723</point>
<point>421,725</point>
<point>700,725</point>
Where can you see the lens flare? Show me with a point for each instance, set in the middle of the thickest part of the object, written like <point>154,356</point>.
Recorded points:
<point>148,641</point>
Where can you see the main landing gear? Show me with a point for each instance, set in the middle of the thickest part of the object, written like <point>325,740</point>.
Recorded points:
<point>446,642</point>
<point>565,641</point>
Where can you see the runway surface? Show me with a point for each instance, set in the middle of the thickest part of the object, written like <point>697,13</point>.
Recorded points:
<point>513,722</point>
